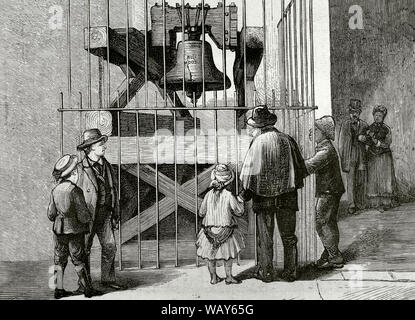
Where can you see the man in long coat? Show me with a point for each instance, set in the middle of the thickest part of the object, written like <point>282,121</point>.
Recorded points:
<point>96,179</point>
<point>352,152</point>
<point>272,173</point>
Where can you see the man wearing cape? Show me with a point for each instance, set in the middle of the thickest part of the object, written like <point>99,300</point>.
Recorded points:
<point>272,173</point>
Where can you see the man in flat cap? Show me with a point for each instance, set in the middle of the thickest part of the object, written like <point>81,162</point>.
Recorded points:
<point>353,156</point>
<point>272,173</point>
<point>96,179</point>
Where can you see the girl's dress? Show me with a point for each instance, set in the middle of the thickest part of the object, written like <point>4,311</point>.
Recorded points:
<point>220,238</point>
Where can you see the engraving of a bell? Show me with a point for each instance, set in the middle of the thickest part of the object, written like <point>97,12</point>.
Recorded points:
<point>190,67</point>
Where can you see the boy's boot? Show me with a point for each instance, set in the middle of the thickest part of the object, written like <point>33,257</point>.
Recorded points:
<point>60,292</point>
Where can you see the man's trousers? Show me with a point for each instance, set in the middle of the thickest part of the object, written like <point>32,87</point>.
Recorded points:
<point>356,186</point>
<point>286,221</point>
<point>102,227</point>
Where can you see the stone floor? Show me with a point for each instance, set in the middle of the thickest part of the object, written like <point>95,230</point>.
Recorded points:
<point>378,247</point>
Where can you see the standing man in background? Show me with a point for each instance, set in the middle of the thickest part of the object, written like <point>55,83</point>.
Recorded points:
<point>352,151</point>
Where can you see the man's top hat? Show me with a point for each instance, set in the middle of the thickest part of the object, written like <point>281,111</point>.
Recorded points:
<point>355,105</point>
<point>65,165</point>
<point>90,137</point>
<point>261,117</point>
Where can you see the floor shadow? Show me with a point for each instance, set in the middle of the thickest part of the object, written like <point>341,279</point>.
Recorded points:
<point>131,280</point>
<point>367,244</point>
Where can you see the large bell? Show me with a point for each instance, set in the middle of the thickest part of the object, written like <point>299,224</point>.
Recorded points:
<point>193,74</point>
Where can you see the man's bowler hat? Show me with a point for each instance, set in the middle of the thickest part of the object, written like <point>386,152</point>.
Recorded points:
<point>262,117</point>
<point>90,137</point>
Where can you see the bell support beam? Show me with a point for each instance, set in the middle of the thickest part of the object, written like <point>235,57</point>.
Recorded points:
<point>117,40</point>
<point>167,205</point>
<point>254,54</point>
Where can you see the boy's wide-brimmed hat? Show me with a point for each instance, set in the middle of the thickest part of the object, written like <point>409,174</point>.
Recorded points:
<point>327,126</point>
<point>65,165</point>
<point>223,174</point>
<point>262,117</point>
<point>90,137</point>
<point>355,105</point>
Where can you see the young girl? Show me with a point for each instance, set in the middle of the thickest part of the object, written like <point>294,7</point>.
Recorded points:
<point>219,238</point>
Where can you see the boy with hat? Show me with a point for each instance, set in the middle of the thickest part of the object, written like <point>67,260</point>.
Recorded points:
<point>272,172</point>
<point>352,152</point>
<point>96,179</point>
<point>329,189</point>
<point>70,215</point>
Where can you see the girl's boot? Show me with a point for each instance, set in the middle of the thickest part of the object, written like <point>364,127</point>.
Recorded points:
<point>214,278</point>
<point>228,269</point>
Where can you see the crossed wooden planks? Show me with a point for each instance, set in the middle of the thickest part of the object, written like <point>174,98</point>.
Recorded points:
<point>167,206</point>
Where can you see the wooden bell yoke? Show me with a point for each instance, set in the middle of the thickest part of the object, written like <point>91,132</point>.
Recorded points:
<point>165,24</point>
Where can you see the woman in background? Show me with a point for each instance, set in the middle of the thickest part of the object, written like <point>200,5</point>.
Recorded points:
<point>381,172</point>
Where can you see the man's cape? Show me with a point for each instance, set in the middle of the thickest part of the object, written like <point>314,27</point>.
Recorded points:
<point>273,165</point>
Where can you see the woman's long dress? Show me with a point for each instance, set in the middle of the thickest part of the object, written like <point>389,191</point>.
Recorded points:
<point>381,187</point>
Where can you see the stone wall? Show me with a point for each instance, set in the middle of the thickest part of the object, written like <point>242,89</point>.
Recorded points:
<point>377,65</point>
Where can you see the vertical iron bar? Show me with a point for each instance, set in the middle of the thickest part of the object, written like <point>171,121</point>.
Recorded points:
<point>80,115</point>
<point>304,191</point>
<point>283,59</point>
<point>301,15</point>
<point>196,173</point>
<point>245,59</point>
<point>203,55</point>
<point>313,189</point>
<point>61,124</point>
<point>100,82</point>
<point>287,67</point>
<point>265,53</point>
<point>184,54</point>
<point>176,205</point>
<point>313,248</point>
<point>216,128</point>
<point>138,191</point>
<point>311,20</point>
<point>119,179</point>
<point>146,51</point>
<point>306,80</point>
<point>164,55</point>
<point>108,55</point>
<point>306,99</point>
<point>295,52</point>
<point>296,90</point>
<point>225,98</point>
<point>69,54</point>
<point>290,41</point>
<point>157,189</point>
<point>127,49</point>
<point>89,56</point>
